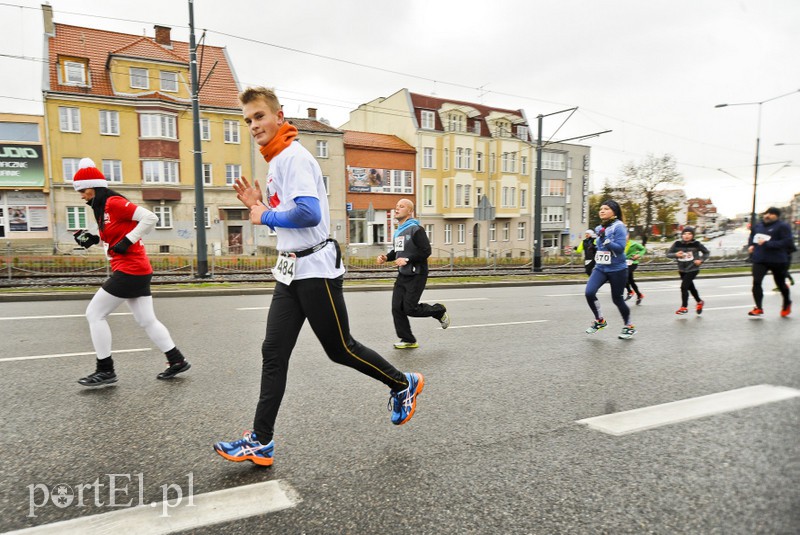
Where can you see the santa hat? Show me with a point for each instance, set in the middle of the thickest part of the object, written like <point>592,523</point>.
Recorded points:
<point>88,176</point>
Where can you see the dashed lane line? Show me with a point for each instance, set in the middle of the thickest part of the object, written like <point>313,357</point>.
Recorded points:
<point>60,316</point>
<point>55,356</point>
<point>496,324</point>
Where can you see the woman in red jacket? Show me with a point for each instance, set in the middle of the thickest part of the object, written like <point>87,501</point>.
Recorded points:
<point>121,226</point>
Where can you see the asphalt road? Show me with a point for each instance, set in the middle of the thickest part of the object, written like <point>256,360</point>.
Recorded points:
<point>493,448</point>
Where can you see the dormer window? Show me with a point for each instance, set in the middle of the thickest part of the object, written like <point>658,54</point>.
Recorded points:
<point>74,73</point>
<point>428,120</point>
<point>522,133</point>
<point>455,122</point>
<point>139,78</point>
<point>503,129</point>
<point>169,81</point>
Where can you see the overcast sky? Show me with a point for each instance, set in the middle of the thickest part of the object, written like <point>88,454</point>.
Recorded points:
<point>651,71</point>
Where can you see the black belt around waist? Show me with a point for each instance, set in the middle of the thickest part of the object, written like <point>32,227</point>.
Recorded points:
<point>318,247</point>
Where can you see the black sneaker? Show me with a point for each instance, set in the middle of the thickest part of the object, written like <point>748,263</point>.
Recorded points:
<point>98,378</point>
<point>174,369</point>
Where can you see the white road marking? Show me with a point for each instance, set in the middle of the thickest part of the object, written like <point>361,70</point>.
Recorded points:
<point>428,298</point>
<point>191,512</point>
<point>727,295</point>
<point>727,308</point>
<point>253,308</point>
<point>496,324</point>
<point>738,286</point>
<point>648,291</point>
<point>622,423</point>
<point>60,316</point>
<point>35,357</point>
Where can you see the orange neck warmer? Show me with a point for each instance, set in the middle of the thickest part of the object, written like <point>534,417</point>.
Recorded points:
<point>283,137</point>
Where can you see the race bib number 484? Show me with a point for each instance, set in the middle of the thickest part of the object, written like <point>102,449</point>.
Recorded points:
<point>285,268</point>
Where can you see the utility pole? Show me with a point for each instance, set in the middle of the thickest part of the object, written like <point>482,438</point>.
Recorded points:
<point>200,208</point>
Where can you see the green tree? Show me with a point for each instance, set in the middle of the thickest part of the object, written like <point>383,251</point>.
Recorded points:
<point>644,180</point>
<point>594,204</point>
<point>665,213</point>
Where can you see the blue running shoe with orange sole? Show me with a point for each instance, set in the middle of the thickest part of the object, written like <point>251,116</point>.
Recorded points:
<point>403,404</point>
<point>247,448</point>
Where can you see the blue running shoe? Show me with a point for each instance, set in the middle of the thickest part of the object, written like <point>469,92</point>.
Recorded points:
<point>247,448</point>
<point>403,404</point>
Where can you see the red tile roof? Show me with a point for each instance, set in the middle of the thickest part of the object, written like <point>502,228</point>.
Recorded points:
<point>312,125</point>
<point>376,141</point>
<point>97,45</point>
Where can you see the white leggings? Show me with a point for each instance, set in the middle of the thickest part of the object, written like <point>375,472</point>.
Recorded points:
<point>103,304</point>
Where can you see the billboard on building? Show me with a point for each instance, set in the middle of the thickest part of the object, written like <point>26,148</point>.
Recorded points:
<point>21,166</point>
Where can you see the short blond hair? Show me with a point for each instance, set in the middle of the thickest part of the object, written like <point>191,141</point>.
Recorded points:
<point>264,93</point>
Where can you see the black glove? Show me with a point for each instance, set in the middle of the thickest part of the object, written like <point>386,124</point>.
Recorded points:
<point>122,245</point>
<point>85,240</point>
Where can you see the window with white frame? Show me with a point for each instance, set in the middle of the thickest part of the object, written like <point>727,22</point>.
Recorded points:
<point>157,125</point>
<point>109,122</point>
<point>506,231</point>
<point>169,81</point>
<point>446,199</point>
<point>322,149</point>
<point>427,157</point>
<point>467,158</point>
<point>554,161</point>
<point>478,194</point>
<point>76,217</point>
<point>467,195</point>
<point>506,195</point>
<point>476,127</point>
<point>523,198</point>
<point>448,233</point>
<point>427,195</point>
<point>428,119</point>
<point>398,181</point>
<point>569,167</point>
<point>522,133</point>
<point>358,226</point>
<point>208,175</point>
<point>160,171</point>
<point>325,181</point>
<point>459,195</point>
<point>524,164</point>
<point>459,158</point>
<point>479,162</point>
<point>231,131</point>
<point>553,188</point>
<point>513,162</point>
<point>492,231</point>
<point>492,163</point>
<point>69,119</point>
<point>462,233</point>
<point>164,214</point>
<point>232,172</point>
<point>69,166</point>
<point>455,122</point>
<point>514,197</point>
<point>521,230</point>
<point>429,232</point>
<point>502,128</point>
<point>549,240</point>
<point>553,214</point>
<point>206,217</point>
<point>74,73</point>
<point>504,162</point>
<point>446,156</point>
<point>205,129</point>
<point>112,169</point>
<point>139,78</point>
<point>569,193</point>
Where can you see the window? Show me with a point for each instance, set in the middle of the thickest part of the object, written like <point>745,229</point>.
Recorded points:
<point>429,232</point>
<point>208,176</point>
<point>459,158</point>
<point>74,73</point>
<point>478,194</point>
<point>468,159</point>
<point>514,197</point>
<point>506,231</point>
<point>69,119</point>
<point>428,119</point>
<point>522,133</point>
<point>164,214</point>
<point>523,198</point>
<point>109,122</point>
<point>69,166</point>
<point>205,129</point>
<point>446,196</point>
<point>513,162</point>
<point>569,167</point>
<point>169,81</point>
<point>479,162</point>
<point>552,214</point>
<point>322,149</point>
<point>462,233</point>
<point>358,226</point>
<point>553,188</point>
<point>446,164</point>
<point>476,127</point>
<point>492,231</point>
<point>455,122</point>
<point>157,125</point>
<point>160,172</point>
<point>325,181</point>
<point>232,172</point>
<point>467,194</point>
<point>506,196</point>
<point>427,158</point>
<point>555,161</point>
<point>502,129</point>
<point>504,160</point>
<point>139,78</point>
<point>492,163</point>
<point>521,230</point>
<point>448,234</point>
<point>459,195</point>
<point>427,195</point>
<point>524,165</point>
<point>112,169</point>
<point>76,217</point>
<point>231,131</point>
<point>206,217</point>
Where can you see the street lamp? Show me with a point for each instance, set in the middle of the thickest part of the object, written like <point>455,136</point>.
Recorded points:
<point>758,143</point>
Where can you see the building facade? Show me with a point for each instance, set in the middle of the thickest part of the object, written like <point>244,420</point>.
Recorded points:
<point>125,102</point>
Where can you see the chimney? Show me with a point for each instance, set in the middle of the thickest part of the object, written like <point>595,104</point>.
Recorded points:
<point>312,113</point>
<point>162,35</point>
<point>47,14</point>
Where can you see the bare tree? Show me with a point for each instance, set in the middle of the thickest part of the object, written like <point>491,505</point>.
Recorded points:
<point>644,181</point>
